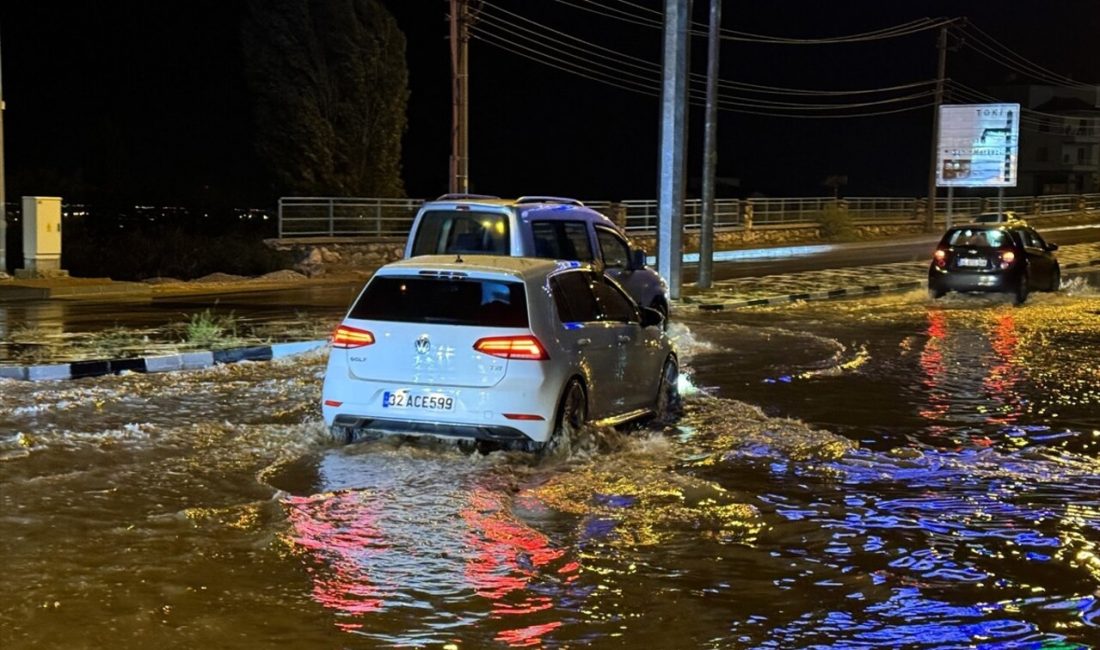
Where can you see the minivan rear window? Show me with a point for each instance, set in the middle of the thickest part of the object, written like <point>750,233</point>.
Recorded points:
<point>449,231</point>
<point>450,301</point>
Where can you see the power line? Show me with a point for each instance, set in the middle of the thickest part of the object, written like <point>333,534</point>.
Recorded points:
<point>989,47</point>
<point>698,29</point>
<point>612,76</point>
<point>627,67</point>
<point>619,58</point>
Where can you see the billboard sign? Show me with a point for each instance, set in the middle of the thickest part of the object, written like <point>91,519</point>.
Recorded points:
<point>978,145</point>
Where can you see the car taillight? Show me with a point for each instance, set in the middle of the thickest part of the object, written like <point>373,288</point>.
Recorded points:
<point>351,337</point>
<point>512,347</point>
<point>940,257</point>
<point>1007,258</point>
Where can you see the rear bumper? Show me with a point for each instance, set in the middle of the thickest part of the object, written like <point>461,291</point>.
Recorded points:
<point>437,429</point>
<point>971,281</point>
<point>478,412</point>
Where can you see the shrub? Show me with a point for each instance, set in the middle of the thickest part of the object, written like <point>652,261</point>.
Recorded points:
<point>836,223</point>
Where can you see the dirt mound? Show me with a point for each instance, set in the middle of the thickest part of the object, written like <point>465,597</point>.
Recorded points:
<point>284,275</point>
<point>160,280</point>
<point>220,277</point>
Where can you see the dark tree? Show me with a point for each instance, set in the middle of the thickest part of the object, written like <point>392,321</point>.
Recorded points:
<point>330,87</point>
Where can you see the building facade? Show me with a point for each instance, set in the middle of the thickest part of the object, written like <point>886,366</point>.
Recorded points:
<point>1059,139</point>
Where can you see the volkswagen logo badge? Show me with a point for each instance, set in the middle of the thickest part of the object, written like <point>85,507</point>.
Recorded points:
<point>423,344</point>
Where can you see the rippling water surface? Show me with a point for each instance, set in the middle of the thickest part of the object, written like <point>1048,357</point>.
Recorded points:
<point>880,473</point>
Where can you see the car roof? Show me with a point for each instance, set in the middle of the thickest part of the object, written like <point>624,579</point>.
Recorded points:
<point>527,207</point>
<point>521,267</point>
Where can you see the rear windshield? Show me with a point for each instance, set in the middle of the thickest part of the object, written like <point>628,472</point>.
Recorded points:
<point>978,238</point>
<point>449,231</point>
<point>490,303</point>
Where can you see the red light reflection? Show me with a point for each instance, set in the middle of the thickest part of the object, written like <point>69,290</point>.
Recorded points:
<point>932,363</point>
<point>504,557</point>
<point>1001,381</point>
<point>513,566</point>
<point>339,530</point>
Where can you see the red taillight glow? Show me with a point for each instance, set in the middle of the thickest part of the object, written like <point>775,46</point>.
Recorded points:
<point>1008,257</point>
<point>512,347</point>
<point>523,416</point>
<point>351,337</point>
<point>940,257</point>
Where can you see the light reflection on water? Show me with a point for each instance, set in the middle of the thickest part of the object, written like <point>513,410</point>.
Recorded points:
<point>235,521</point>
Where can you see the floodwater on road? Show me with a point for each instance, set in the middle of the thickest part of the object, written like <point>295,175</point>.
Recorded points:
<point>876,473</point>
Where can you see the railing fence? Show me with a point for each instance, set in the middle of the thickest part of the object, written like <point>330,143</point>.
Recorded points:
<point>373,217</point>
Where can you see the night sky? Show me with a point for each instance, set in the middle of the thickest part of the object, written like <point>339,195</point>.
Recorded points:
<point>150,97</point>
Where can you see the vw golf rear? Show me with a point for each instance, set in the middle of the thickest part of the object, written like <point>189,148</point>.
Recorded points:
<point>443,347</point>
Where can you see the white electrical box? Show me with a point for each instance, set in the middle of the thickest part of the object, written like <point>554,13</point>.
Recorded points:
<point>41,233</point>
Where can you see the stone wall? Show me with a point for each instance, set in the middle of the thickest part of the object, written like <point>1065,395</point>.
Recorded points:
<point>319,256</point>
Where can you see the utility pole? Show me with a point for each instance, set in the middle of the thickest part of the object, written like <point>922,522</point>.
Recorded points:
<point>710,150</point>
<point>670,191</point>
<point>460,96</point>
<point>930,211</point>
<point>3,191</point>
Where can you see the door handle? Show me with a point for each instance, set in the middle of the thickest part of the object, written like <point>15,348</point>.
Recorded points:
<point>583,342</point>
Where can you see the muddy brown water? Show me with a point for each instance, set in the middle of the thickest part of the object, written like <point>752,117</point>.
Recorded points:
<point>885,472</point>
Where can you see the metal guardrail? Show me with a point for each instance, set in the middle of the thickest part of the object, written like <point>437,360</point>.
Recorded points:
<point>643,215</point>
<point>330,216</point>
<point>1057,204</point>
<point>372,217</point>
<point>960,207</point>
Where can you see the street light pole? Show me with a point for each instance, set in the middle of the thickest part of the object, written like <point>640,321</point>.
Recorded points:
<point>674,96</point>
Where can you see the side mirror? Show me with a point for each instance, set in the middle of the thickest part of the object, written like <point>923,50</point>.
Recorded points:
<point>651,317</point>
<point>637,259</point>
<point>1052,247</point>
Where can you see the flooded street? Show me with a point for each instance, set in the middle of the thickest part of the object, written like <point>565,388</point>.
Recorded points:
<point>875,473</point>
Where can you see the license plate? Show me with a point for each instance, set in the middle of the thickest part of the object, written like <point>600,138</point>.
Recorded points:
<point>403,399</point>
<point>972,262</point>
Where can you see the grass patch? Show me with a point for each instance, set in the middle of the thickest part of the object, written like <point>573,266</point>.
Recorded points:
<point>209,330</point>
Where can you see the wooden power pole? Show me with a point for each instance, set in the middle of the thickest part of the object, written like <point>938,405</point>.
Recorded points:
<point>460,96</point>
<point>930,211</point>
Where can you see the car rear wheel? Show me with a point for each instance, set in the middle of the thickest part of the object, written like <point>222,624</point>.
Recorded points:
<point>1022,289</point>
<point>935,293</point>
<point>668,404</point>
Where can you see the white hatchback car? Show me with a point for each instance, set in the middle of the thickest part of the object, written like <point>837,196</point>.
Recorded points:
<point>513,350</point>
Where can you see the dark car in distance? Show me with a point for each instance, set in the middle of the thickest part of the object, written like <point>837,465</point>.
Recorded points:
<point>1005,257</point>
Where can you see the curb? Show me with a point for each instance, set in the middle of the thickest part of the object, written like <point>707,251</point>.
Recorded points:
<point>164,363</point>
<point>804,297</point>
